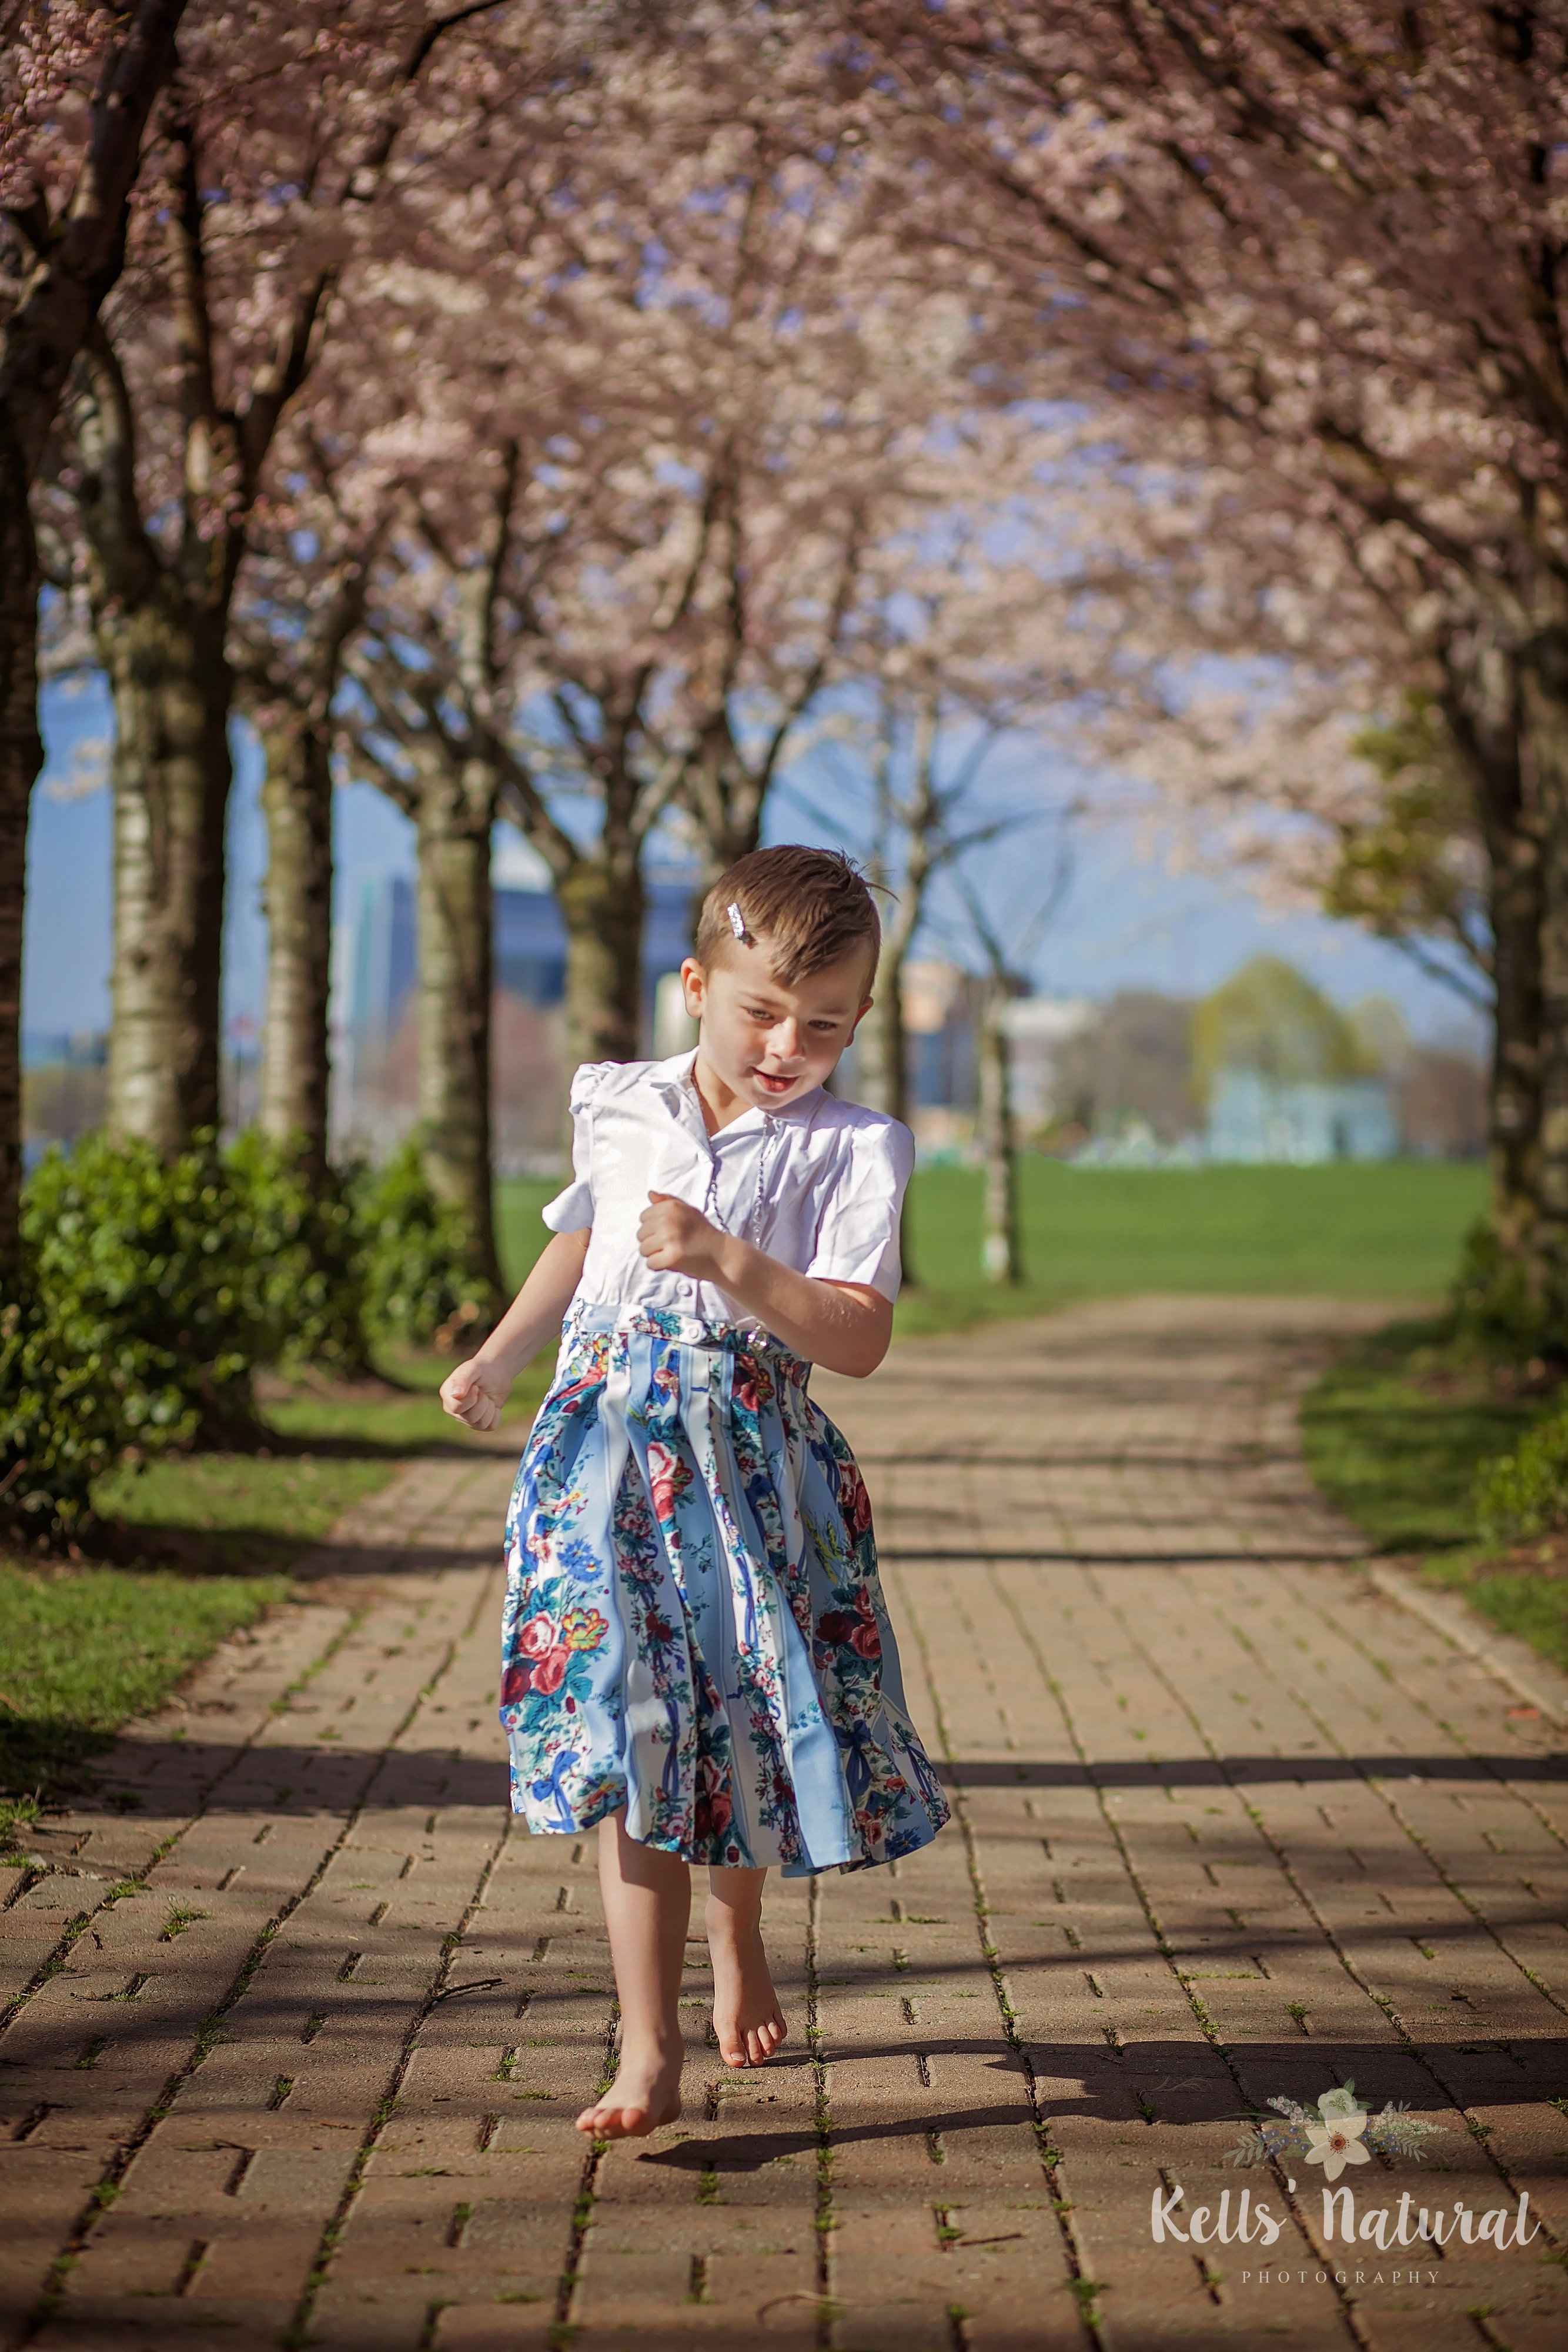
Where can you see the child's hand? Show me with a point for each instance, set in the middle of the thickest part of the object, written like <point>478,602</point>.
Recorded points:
<point>475,1393</point>
<point>675,1238</point>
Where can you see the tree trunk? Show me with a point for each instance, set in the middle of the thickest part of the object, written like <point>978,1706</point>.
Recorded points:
<point>1514,905</point>
<point>43,333</point>
<point>297,800</point>
<point>999,1253</point>
<point>1546,715</point>
<point>882,1055</point>
<point>455,924</point>
<point>886,1017</point>
<point>602,905</point>
<point>1483,702</point>
<point>172,690</point>
<point>21,757</point>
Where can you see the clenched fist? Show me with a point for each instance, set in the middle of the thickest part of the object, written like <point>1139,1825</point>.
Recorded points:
<point>476,1392</point>
<point>675,1238</point>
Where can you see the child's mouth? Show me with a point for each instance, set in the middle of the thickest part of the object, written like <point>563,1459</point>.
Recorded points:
<point>772,1084</point>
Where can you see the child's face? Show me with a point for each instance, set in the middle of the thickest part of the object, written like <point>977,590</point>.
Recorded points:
<point>767,1042</point>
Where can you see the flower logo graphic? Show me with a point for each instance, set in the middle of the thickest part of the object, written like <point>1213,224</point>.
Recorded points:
<point>1337,2140</point>
<point>1336,2132</point>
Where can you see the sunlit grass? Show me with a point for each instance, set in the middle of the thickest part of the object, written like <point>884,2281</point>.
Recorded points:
<point>1394,1433</point>
<point>1385,1229</point>
<point>82,1649</point>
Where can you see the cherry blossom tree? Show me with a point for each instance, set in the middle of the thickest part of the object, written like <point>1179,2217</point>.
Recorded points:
<point>627,584</point>
<point>1015,610</point>
<point>76,85</point>
<point>1334,244</point>
<point>287,161</point>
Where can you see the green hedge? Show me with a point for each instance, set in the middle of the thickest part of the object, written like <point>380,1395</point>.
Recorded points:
<point>420,1282</point>
<point>151,1292</point>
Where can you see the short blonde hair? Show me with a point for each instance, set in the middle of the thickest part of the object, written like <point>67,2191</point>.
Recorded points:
<point>810,907</point>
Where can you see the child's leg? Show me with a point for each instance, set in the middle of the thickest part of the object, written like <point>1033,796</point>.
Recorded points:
<point>747,2017</point>
<point>647,1908</point>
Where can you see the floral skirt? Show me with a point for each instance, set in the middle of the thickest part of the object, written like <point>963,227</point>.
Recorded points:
<point>695,1626</point>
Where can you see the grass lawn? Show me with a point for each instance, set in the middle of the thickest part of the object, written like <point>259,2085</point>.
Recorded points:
<point>1388,1231</point>
<point>83,1648</point>
<point>1395,1434</point>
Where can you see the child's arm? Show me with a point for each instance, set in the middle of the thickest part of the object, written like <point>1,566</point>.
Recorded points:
<point>477,1390</point>
<point>843,1325</point>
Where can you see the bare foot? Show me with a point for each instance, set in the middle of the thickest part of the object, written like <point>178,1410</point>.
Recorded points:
<point>747,2017</point>
<point>646,2094</point>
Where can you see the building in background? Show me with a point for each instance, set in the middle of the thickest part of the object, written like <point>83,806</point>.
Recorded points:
<point>383,957</point>
<point>1042,1031</point>
<point>376,1097</point>
<point>1254,1120</point>
<point>941,1014</point>
<point>64,1087</point>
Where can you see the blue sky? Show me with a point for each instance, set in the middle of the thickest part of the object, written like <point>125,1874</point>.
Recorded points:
<point>1128,922</point>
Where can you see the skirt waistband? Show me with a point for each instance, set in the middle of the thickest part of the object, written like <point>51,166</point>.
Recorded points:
<point>602,1318</point>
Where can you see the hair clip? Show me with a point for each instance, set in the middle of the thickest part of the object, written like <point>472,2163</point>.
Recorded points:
<point>736,920</point>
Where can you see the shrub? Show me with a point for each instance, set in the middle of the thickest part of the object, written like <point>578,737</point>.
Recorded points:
<point>154,1272</point>
<point>310,1257</point>
<point>421,1286</point>
<point>68,1411</point>
<point>1526,1493</point>
<point>1492,1304</point>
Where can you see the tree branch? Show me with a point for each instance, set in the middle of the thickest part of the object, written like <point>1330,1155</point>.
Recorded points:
<point>63,291</point>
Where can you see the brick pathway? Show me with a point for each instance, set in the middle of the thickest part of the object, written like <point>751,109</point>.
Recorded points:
<point>297,2028</point>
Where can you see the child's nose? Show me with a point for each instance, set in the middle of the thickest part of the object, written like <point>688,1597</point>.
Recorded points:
<point>787,1040</point>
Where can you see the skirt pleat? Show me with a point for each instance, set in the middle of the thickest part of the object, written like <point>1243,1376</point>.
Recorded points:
<point>695,1627</point>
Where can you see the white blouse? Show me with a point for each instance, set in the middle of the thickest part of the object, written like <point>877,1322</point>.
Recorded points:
<point>818,1184</point>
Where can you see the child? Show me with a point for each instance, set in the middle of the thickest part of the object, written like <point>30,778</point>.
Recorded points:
<point>695,1650</point>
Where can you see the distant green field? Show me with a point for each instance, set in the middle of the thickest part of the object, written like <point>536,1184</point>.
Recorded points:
<point>1387,1229</point>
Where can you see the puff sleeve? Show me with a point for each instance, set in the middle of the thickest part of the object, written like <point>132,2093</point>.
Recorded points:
<point>572,1209</point>
<point>857,1232</point>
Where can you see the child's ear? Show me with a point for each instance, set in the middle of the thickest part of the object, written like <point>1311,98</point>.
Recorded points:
<point>694,986</point>
<point>860,1015</point>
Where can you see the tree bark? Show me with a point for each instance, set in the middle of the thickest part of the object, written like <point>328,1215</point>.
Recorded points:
<point>601,904</point>
<point>1482,703</point>
<point>999,1255</point>
<point>21,757</point>
<point>883,1058</point>
<point>73,268</point>
<point>1545,717</point>
<point>455,927</point>
<point>297,801</point>
<point>171,691</point>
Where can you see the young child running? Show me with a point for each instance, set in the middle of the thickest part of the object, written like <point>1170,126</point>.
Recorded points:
<point>695,1650</point>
